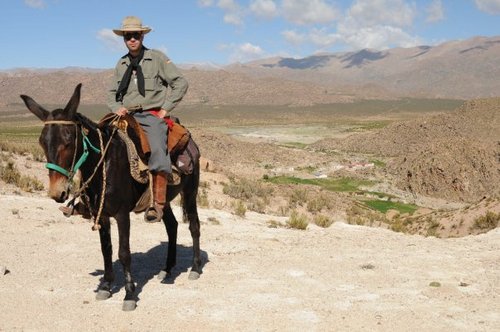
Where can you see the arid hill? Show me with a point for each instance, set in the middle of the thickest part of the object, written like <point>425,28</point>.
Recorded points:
<point>457,70</point>
<point>206,87</point>
<point>454,156</point>
<point>463,69</point>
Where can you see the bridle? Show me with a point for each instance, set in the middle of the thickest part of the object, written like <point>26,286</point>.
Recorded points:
<point>85,145</point>
<point>76,166</point>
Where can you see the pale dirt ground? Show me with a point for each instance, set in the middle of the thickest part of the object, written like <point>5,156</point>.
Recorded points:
<point>255,278</point>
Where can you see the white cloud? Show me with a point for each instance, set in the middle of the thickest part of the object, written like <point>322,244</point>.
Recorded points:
<point>294,37</point>
<point>111,40</point>
<point>435,11</point>
<point>320,38</point>
<point>377,37</point>
<point>264,8</point>
<point>368,13</point>
<point>323,38</point>
<point>309,12</point>
<point>233,13</point>
<point>376,24</point>
<point>243,52</point>
<point>35,3</point>
<point>489,6</point>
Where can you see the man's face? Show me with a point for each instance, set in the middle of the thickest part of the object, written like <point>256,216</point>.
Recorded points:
<point>133,40</point>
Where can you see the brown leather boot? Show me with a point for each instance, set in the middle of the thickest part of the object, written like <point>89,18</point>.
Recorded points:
<point>155,213</point>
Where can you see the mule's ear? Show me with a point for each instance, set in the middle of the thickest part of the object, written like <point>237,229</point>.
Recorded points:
<point>73,103</point>
<point>36,109</point>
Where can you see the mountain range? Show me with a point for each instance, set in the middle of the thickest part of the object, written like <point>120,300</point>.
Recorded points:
<point>463,69</point>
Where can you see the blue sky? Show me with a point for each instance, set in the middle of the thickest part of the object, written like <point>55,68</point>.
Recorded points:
<point>61,33</point>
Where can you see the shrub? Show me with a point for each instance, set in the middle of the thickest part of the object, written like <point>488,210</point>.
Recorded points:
<point>487,222</point>
<point>298,197</point>
<point>322,220</point>
<point>240,209</point>
<point>297,221</point>
<point>318,203</point>
<point>202,198</point>
<point>255,195</point>
<point>10,174</point>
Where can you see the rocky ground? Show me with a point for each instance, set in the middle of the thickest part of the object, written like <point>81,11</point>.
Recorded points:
<point>258,277</point>
<point>255,278</point>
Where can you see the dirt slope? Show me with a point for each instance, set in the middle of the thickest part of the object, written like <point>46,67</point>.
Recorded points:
<point>255,278</point>
<point>455,156</point>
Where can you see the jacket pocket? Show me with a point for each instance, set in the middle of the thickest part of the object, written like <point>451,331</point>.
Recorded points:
<point>150,84</point>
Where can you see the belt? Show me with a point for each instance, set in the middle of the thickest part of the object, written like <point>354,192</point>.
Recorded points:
<point>167,119</point>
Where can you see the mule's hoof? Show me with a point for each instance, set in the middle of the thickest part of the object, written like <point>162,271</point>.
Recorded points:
<point>193,275</point>
<point>129,305</point>
<point>102,295</point>
<point>163,274</point>
<point>68,211</point>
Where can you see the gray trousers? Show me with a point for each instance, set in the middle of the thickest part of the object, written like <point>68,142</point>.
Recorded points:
<point>156,131</point>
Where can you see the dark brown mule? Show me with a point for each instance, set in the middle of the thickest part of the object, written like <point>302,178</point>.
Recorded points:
<point>66,138</point>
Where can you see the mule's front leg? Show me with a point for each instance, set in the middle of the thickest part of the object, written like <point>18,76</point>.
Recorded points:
<point>123,221</point>
<point>171,227</point>
<point>104,290</point>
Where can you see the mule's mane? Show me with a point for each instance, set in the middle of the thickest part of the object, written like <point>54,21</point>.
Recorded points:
<point>86,122</point>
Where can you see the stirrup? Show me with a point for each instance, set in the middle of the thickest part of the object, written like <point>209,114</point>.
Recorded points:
<point>153,213</point>
<point>173,178</point>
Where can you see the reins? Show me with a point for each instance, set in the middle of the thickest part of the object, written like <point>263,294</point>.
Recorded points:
<point>75,167</point>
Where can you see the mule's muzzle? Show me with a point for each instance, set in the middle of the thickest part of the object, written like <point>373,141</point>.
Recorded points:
<point>58,188</point>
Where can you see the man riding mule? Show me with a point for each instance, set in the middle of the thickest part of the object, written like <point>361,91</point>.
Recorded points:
<point>73,143</point>
<point>140,83</point>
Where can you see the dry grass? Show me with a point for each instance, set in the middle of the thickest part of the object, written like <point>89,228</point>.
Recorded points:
<point>10,174</point>
<point>487,222</point>
<point>297,221</point>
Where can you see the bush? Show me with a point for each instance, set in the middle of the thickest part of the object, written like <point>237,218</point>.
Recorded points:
<point>318,203</point>
<point>239,209</point>
<point>202,198</point>
<point>323,221</point>
<point>255,195</point>
<point>297,221</point>
<point>10,174</point>
<point>487,222</point>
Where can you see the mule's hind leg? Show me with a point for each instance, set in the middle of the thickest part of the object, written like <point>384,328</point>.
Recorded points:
<point>191,211</point>
<point>104,289</point>
<point>171,226</point>
<point>123,221</point>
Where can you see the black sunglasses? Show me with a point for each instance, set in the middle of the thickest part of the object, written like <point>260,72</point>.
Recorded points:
<point>130,35</point>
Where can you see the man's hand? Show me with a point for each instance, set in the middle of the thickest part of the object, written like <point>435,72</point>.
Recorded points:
<point>162,113</point>
<point>122,111</point>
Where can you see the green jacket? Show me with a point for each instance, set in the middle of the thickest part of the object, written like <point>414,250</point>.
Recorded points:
<point>159,73</point>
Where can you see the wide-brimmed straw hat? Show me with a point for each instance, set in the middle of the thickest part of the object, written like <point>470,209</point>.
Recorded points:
<point>131,23</point>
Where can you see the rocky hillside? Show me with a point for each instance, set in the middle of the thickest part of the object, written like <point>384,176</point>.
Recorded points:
<point>206,87</point>
<point>454,156</point>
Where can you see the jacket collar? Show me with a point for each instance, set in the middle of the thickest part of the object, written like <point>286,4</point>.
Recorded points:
<point>147,56</point>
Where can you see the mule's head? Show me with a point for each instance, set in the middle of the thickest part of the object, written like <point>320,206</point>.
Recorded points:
<point>58,140</point>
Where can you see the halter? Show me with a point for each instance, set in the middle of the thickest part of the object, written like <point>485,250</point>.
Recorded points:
<point>75,166</point>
